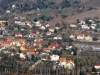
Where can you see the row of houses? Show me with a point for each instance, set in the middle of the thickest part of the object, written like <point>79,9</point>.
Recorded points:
<point>87,24</point>
<point>85,30</point>
<point>81,36</point>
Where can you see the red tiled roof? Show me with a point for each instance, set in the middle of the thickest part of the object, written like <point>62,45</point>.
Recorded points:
<point>55,44</point>
<point>40,41</point>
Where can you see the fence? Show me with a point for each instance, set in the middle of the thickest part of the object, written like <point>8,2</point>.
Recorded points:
<point>40,69</point>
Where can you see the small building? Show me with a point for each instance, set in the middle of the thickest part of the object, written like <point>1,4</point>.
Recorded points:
<point>96,69</point>
<point>73,25</point>
<point>67,63</point>
<point>38,24</point>
<point>88,38</point>
<point>85,27</point>
<point>19,35</point>
<point>54,57</point>
<point>3,23</point>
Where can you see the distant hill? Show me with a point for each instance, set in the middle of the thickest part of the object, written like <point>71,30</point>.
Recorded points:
<point>27,5</point>
<point>36,3</point>
<point>5,3</point>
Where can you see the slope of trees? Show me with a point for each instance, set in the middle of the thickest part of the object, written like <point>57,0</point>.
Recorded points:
<point>34,4</point>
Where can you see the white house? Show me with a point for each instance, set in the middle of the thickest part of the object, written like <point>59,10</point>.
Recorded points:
<point>22,56</point>
<point>85,27</point>
<point>88,38</point>
<point>20,23</point>
<point>80,37</point>
<point>19,35</point>
<point>29,24</point>
<point>38,24</point>
<point>82,22</point>
<point>13,6</point>
<point>57,28</point>
<point>47,25</point>
<point>54,57</point>
<point>48,33</point>
<point>93,24</point>
<point>42,27</point>
<point>91,21</point>
<point>72,36</point>
<point>73,25</point>
<point>51,29</point>
<point>8,11</point>
<point>57,38</point>
<point>93,27</point>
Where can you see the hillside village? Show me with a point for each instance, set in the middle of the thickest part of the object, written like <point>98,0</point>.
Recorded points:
<point>45,39</point>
